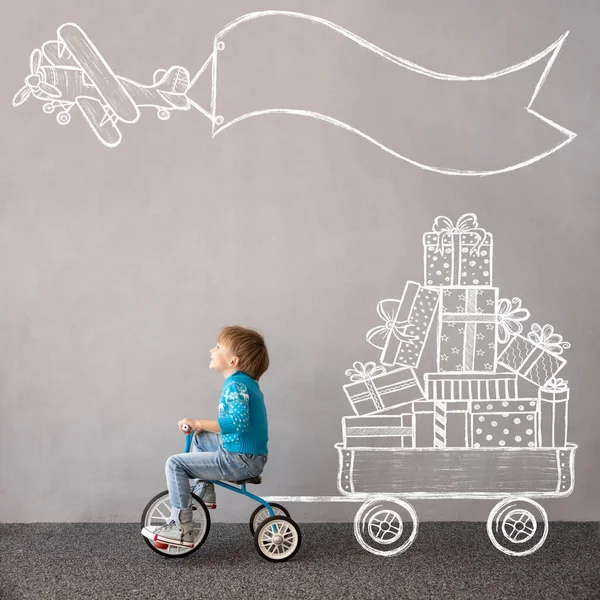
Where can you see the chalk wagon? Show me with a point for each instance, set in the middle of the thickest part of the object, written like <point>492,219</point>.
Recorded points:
<point>385,478</point>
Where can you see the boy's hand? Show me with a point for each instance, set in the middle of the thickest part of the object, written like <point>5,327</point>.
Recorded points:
<point>189,422</point>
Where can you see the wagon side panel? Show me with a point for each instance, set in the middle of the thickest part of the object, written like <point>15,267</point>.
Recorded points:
<point>455,471</point>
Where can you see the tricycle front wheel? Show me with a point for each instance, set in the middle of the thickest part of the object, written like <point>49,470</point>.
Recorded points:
<point>158,513</point>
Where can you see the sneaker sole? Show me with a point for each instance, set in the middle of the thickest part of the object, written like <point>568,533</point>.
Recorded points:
<point>153,537</point>
<point>158,538</point>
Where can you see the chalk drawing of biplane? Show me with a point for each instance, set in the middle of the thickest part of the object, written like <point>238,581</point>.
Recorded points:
<point>70,72</point>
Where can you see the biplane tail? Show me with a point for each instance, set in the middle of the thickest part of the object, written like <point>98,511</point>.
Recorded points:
<point>172,85</point>
<point>174,81</point>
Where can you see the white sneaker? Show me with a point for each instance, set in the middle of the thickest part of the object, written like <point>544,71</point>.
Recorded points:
<point>178,534</point>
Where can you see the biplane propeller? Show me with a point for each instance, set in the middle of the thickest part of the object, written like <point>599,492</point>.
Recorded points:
<point>35,82</point>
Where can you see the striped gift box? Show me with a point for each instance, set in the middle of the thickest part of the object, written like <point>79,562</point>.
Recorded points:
<point>471,386</point>
<point>441,424</point>
<point>378,431</point>
<point>374,390</point>
<point>460,393</point>
<point>536,357</point>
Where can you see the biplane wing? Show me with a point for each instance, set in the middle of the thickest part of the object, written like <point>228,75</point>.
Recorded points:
<point>101,119</point>
<point>57,55</point>
<point>106,82</point>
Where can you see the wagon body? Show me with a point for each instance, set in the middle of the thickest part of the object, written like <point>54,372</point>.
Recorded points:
<point>456,472</point>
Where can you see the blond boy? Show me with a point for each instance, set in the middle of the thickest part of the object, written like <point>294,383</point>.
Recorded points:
<point>230,448</point>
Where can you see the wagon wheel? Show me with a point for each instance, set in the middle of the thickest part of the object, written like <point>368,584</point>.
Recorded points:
<point>517,526</point>
<point>386,526</point>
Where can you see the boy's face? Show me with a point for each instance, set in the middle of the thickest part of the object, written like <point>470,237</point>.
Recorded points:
<point>221,358</point>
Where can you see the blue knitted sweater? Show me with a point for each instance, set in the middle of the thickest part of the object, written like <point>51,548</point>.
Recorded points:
<point>243,416</point>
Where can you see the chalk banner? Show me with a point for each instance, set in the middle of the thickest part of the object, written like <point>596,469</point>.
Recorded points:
<point>284,63</point>
<point>275,62</point>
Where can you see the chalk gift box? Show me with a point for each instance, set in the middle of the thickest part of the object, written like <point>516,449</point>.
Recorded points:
<point>440,424</point>
<point>374,390</point>
<point>467,329</point>
<point>423,424</point>
<point>458,254</point>
<point>452,395</point>
<point>378,431</point>
<point>406,325</point>
<point>471,386</point>
<point>554,413</point>
<point>536,357</point>
<point>505,423</point>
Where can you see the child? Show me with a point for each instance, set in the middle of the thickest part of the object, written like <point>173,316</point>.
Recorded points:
<point>230,448</point>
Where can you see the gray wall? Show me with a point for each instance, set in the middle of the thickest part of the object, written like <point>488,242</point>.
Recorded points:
<point>119,265</point>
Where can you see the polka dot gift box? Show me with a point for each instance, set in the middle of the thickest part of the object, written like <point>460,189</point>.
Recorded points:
<point>406,325</point>
<point>505,424</point>
<point>458,254</point>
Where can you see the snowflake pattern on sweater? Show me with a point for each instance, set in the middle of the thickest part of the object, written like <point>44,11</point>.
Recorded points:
<point>235,403</point>
<point>243,416</point>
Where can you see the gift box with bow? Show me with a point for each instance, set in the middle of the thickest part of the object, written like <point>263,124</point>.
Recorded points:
<point>406,325</point>
<point>472,323</point>
<point>374,390</point>
<point>458,254</point>
<point>554,413</point>
<point>536,357</point>
<point>467,329</point>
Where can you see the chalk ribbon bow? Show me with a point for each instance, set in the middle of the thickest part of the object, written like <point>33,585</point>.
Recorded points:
<point>467,223</point>
<point>556,384</point>
<point>547,339</point>
<point>378,336</point>
<point>509,318</point>
<point>364,371</point>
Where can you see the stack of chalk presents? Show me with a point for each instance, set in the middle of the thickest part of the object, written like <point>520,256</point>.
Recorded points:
<point>495,385</point>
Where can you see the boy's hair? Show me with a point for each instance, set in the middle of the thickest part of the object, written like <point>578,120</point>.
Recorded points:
<point>249,346</point>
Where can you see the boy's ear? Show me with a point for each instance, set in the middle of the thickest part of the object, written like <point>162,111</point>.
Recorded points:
<point>235,361</point>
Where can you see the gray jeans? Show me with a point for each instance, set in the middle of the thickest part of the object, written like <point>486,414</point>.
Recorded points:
<point>207,460</point>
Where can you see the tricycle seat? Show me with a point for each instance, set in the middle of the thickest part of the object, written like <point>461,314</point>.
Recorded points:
<point>256,480</point>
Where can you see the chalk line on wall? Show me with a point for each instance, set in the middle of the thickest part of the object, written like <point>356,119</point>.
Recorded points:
<point>467,432</point>
<point>70,71</point>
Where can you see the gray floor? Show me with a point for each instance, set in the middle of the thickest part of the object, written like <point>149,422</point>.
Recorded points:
<point>447,560</point>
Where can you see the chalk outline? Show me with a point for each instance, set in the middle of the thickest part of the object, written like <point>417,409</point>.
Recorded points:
<point>504,400</point>
<point>218,124</point>
<point>551,50</point>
